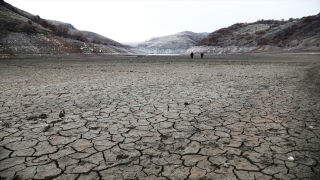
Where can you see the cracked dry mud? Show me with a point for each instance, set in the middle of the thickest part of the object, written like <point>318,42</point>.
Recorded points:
<point>223,117</point>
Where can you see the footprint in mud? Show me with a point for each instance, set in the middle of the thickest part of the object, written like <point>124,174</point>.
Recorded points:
<point>266,160</point>
<point>164,137</point>
<point>262,133</point>
<point>273,130</point>
<point>290,143</point>
<point>122,156</point>
<point>243,147</point>
<point>7,125</point>
<point>213,145</point>
<point>215,166</point>
<point>180,148</point>
<point>32,118</point>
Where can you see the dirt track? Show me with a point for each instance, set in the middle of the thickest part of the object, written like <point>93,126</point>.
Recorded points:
<point>169,117</point>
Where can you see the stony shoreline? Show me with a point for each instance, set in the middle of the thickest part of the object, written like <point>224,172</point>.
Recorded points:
<point>160,117</point>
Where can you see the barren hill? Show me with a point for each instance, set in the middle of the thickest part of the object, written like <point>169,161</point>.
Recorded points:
<point>171,44</point>
<point>264,35</point>
<point>25,33</point>
<point>86,36</point>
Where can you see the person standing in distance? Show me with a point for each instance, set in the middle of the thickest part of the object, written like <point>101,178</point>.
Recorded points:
<point>191,55</point>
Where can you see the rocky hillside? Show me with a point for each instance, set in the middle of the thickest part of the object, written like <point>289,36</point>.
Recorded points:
<point>25,33</point>
<point>283,34</point>
<point>171,44</point>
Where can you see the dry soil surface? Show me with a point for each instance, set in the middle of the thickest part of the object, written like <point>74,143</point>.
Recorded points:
<point>160,117</point>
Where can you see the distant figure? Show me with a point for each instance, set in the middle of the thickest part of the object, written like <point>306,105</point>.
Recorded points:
<point>191,55</point>
<point>62,114</point>
<point>201,55</point>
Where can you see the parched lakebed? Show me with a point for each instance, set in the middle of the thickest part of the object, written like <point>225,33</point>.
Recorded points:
<point>160,117</point>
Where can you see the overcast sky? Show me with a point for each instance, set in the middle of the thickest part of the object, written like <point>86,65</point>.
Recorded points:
<point>139,20</point>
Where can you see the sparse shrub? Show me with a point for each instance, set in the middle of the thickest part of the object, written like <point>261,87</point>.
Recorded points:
<point>288,32</point>
<point>27,27</point>
<point>309,19</point>
<point>276,40</point>
<point>249,37</point>
<point>36,18</point>
<point>263,41</point>
<point>302,25</point>
<point>260,32</point>
<point>99,41</point>
<point>219,44</point>
<point>44,23</point>
<point>62,30</point>
<point>235,26</point>
<point>214,37</point>
<point>239,36</point>
<point>270,21</point>
<point>79,36</point>
<point>52,27</point>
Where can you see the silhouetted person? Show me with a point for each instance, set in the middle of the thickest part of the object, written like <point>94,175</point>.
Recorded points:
<point>201,55</point>
<point>191,55</point>
<point>62,114</point>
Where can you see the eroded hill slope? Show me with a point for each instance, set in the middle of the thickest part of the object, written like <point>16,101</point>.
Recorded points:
<point>298,34</point>
<point>24,33</point>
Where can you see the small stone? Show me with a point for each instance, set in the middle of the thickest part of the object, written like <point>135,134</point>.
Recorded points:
<point>290,158</point>
<point>311,127</point>
<point>226,165</point>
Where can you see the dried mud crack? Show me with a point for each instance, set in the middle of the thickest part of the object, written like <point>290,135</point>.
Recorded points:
<point>160,117</point>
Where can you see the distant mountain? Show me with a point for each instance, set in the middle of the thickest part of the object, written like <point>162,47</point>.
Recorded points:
<point>25,33</point>
<point>301,33</point>
<point>171,44</point>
